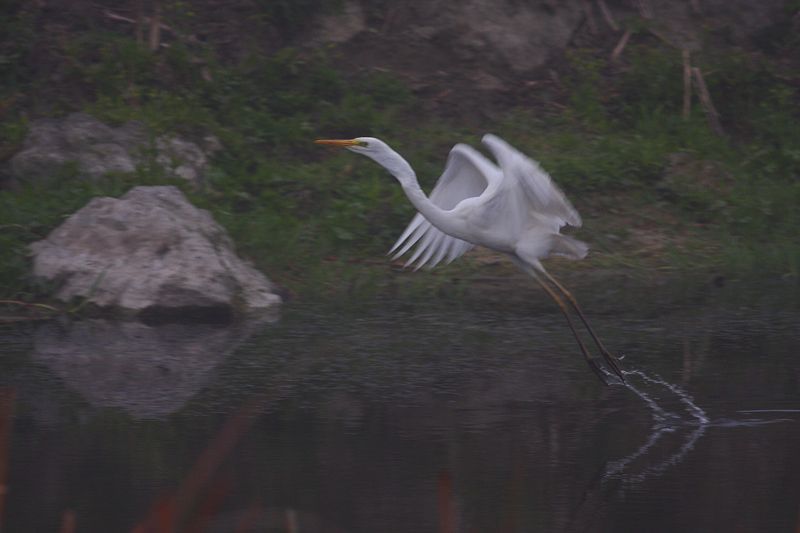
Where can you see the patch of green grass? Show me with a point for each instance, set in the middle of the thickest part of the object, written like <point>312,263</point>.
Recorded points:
<point>304,212</point>
<point>623,129</point>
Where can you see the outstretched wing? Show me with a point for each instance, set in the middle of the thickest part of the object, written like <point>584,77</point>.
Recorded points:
<point>466,175</point>
<point>520,171</point>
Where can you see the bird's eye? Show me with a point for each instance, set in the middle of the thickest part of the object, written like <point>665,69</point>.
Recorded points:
<point>362,144</point>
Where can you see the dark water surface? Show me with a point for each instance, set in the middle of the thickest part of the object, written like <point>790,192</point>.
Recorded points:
<point>412,416</point>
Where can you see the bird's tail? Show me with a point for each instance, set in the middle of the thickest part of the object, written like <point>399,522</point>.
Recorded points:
<point>565,246</point>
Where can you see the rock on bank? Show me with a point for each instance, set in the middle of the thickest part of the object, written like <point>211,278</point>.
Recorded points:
<point>150,254</point>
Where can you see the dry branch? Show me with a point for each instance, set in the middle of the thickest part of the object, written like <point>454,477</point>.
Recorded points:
<point>144,20</point>
<point>29,304</point>
<point>687,84</point>
<point>705,100</point>
<point>621,45</point>
<point>35,313</point>
<point>607,15</point>
<point>154,39</point>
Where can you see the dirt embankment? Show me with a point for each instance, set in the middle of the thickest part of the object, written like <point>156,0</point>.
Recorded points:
<point>468,58</point>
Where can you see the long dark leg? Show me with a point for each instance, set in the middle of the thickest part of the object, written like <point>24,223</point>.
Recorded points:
<point>557,299</point>
<point>607,355</point>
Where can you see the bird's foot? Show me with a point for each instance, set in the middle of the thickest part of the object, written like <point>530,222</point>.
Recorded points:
<point>599,371</point>
<point>613,363</point>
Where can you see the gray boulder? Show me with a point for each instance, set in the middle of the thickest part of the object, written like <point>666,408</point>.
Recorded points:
<point>96,149</point>
<point>521,36</point>
<point>150,254</point>
<point>483,34</point>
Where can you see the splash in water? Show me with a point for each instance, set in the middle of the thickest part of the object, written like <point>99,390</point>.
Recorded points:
<point>668,422</point>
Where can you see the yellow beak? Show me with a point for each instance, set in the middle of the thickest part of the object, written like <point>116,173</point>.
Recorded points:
<point>338,142</point>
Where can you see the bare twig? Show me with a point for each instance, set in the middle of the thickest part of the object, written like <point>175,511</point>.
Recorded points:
<point>28,317</point>
<point>687,84</point>
<point>621,45</point>
<point>139,21</point>
<point>29,304</point>
<point>14,226</point>
<point>705,100</point>
<point>154,39</point>
<point>116,16</point>
<point>607,15</point>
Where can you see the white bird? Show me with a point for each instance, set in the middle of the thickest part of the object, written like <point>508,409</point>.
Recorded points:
<point>511,207</point>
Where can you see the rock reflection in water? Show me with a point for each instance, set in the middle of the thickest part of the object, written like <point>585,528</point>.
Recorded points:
<point>149,371</point>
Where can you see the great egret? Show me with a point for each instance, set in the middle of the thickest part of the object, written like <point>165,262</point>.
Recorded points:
<point>511,207</point>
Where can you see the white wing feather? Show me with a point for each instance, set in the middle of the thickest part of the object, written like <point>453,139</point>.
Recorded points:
<point>544,196</point>
<point>466,175</point>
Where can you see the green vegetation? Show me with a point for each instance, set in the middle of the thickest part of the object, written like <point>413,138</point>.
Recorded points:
<point>617,143</point>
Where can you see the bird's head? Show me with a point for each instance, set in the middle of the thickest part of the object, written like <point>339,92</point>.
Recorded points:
<point>378,151</point>
<point>361,145</point>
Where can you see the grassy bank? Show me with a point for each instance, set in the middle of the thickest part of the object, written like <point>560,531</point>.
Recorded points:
<point>657,190</point>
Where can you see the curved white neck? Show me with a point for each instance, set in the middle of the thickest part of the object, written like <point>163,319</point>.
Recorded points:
<point>441,219</point>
